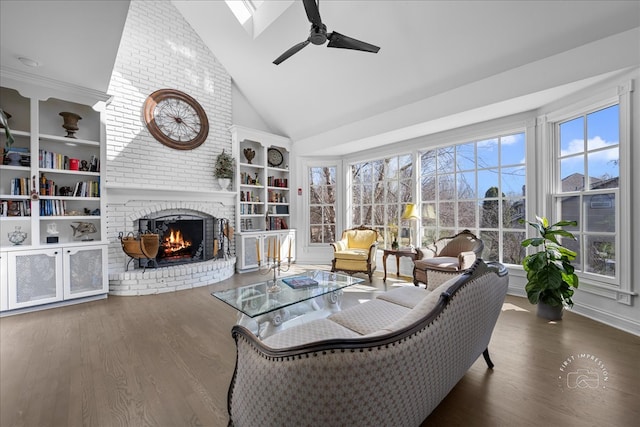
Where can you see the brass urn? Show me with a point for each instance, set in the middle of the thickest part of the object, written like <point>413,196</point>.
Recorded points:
<point>249,154</point>
<point>70,123</point>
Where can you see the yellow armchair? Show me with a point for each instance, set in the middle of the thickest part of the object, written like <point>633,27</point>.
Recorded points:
<point>355,252</point>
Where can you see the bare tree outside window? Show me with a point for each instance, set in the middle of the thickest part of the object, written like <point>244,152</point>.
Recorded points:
<point>380,190</point>
<point>322,204</point>
<point>477,185</point>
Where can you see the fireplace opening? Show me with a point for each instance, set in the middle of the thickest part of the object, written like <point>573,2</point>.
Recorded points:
<point>184,238</point>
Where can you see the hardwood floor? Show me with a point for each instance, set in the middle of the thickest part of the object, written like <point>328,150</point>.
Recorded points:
<point>166,360</point>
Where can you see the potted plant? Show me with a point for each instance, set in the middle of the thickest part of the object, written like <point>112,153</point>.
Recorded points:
<point>4,122</point>
<point>224,169</point>
<point>550,276</point>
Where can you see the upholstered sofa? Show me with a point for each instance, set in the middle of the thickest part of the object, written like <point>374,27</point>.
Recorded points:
<point>386,362</point>
<point>445,258</point>
<point>355,252</point>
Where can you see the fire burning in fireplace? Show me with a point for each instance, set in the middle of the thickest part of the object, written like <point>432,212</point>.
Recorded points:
<point>175,244</point>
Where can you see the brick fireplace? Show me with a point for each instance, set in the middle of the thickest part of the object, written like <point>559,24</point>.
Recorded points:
<point>130,213</point>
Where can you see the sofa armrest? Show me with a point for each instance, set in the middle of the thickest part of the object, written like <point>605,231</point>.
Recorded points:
<point>372,251</point>
<point>339,245</point>
<point>426,252</point>
<point>466,259</point>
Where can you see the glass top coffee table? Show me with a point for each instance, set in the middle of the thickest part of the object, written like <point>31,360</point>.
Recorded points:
<point>266,308</point>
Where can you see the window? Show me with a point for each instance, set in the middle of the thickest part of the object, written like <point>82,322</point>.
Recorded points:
<point>322,204</point>
<point>243,9</point>
<point>480,186</point>
<point>380,190</point>
<point>587,187</point>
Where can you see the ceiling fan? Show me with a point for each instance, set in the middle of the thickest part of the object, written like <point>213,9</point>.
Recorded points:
<point>318,35</point>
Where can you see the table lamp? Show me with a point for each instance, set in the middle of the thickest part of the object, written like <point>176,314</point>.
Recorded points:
<point>410,213</point>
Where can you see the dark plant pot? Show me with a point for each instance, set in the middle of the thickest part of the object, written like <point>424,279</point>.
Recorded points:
<point>550,312</point>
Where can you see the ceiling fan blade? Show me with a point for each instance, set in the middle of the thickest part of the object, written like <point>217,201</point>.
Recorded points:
<point>295,49</point>
<point>313,13</point>
<point>345,42</point>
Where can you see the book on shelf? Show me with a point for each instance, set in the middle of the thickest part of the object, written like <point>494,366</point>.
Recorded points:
<point>53,208</point>
<point>15,208</point>
<point>20,186</point>
<point>300,282</point>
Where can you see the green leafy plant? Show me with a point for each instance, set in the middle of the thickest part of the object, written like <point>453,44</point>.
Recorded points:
<point>550,275</point>
<point>224,166</point>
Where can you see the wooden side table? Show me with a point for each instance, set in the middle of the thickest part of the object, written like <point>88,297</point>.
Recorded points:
<point>398,253</point>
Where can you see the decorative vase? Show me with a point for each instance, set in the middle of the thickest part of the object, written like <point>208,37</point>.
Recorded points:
<point>224,183</point>
<point>70,123</point>
<point>14,159</point>
<point>17,236</point>
<point>549,312</point>
<point>249,154</point>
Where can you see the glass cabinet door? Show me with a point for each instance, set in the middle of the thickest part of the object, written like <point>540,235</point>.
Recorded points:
<point>35,277</point>
<point>84,271</point>
<point>250,251</point>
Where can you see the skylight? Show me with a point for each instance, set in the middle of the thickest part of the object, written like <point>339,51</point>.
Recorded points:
<point>255,16</point>
<point>243,9</point>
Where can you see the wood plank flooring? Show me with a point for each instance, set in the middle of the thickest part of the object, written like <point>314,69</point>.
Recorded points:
<point>166,360</point>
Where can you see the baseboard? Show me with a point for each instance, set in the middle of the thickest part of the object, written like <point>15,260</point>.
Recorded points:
<point>607,318</point>
<point>53,305</point>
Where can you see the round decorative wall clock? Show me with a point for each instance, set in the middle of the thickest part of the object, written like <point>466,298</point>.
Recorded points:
<point>176,119</point>
<point>274,157</point>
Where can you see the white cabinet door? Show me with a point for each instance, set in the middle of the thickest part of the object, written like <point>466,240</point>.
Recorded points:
<point>35,277</point>
<point>248,247</point>
<point>287,239</point>
<point>4,282</point>
<point>251,246</point>
<point>85,271</point>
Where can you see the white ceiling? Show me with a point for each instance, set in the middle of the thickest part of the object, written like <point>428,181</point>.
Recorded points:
<point>335,101</point>
<point>73,41</point>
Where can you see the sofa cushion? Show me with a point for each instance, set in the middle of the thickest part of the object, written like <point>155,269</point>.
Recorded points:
<point>407,296</point>
<point>316,330</point>
<point>353,254</point>
<point>422,308</point>
<point>445,263</point>
<point>370,316</point>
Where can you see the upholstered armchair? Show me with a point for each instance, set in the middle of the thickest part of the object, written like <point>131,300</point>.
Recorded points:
<point>445,258</point>
<point>355,252</point>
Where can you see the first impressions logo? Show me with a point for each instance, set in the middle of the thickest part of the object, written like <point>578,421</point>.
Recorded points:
<point>583,371</point>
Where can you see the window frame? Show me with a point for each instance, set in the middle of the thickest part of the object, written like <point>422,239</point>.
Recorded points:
<point>309,205</point>
<point>403,227</point>
<point>620,287</point>
<point>437,230</point>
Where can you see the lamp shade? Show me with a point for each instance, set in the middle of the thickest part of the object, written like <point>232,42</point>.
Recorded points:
<point>410,212</point>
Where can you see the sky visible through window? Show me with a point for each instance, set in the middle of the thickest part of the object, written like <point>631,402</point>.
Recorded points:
<point>595,134</point>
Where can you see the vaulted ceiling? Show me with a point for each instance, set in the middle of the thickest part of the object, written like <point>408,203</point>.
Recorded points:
<point>441,63</point>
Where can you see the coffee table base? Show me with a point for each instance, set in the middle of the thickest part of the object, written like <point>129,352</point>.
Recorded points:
<point>303,312</point>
